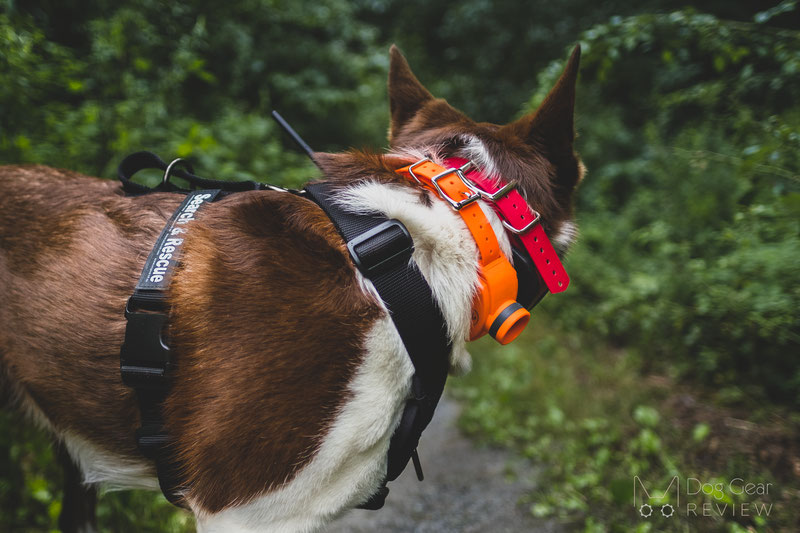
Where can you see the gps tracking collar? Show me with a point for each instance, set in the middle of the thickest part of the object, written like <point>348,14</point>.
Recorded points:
<point>494,309</point>
<point>506,291</point>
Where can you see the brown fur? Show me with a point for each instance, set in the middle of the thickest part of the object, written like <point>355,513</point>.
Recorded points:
<point>254,377</point>
<point>270,322</point>
<point>268,316</point>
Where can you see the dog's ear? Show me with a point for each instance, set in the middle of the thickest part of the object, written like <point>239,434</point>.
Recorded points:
<point>551,127</point>
<point>406,94</point>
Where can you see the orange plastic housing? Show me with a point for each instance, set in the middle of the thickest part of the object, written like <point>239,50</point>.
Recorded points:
<point>494,308</point>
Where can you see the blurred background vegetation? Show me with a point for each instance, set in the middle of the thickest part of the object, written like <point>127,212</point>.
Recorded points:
<point>676,349</point>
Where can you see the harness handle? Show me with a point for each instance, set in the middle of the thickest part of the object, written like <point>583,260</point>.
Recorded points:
<point>148,160</point>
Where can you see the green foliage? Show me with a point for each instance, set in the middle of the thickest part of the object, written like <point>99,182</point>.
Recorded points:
<point>689,257</point>
<point>31,491</point>
<point>691,208</point>
<point>584,415</point>
<point>29,478</point>
<point>84,89</point>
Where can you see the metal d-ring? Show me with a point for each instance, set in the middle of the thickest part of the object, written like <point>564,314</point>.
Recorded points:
<point>174,162</point>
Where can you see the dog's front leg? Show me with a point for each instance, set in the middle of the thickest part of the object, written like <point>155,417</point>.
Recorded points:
<point>80,500</point>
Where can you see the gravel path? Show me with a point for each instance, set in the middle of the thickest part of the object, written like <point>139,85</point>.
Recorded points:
<point>466,489</point>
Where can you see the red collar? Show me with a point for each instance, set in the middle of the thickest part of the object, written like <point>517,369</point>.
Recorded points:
<point>521,222</point>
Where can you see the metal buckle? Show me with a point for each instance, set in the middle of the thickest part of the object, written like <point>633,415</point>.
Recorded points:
<point>457,205</point>
<point>486,195</point>
<point>418,163</point>
<point>527,227</point>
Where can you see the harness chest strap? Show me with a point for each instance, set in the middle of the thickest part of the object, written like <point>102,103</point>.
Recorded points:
<point>145,356</point>
<point>382,250</point>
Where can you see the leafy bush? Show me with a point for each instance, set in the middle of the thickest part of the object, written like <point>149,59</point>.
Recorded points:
<point>691,209</point>
<point>589,422</point>
<point>689,255</point>
<point>85,87</point>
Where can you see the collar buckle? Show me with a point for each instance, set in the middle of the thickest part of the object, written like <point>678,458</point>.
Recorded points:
<point>490,196</point>
<point>455,204</point>
<point>529,226</point>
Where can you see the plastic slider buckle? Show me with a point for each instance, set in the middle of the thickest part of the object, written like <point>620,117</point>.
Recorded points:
<point>145,357</point>
<point>382,247</point>
<point>151,440</point>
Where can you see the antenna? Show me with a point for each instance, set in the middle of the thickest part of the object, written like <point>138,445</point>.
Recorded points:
<point>293,134</point>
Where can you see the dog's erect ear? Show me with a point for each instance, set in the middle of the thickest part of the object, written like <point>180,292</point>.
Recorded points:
<point>552,125</point>
<point>406,94</point>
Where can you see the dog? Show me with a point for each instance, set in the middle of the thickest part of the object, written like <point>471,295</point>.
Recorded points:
<point>290,375</point>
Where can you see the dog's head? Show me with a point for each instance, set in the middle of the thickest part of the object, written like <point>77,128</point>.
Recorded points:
<point>536,151</point>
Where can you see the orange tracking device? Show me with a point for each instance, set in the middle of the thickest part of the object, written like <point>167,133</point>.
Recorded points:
<point>494,310</point>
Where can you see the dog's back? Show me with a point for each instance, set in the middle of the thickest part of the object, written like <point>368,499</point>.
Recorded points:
<point>68,249</point>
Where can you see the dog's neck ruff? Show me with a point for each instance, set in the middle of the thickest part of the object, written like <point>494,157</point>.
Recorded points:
<point>382,249</point>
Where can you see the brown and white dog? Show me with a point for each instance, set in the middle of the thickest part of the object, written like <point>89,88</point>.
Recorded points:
<point>290,376</point>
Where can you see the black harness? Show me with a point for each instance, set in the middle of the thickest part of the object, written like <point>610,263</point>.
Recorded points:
<point>381,249</point>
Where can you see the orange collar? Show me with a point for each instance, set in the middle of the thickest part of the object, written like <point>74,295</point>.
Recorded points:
<point>494,309</point>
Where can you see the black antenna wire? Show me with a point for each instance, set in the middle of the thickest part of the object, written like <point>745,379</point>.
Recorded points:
<point>294,135</point>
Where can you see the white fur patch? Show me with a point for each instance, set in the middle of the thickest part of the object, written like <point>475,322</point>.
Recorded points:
<point>476,151</point>
<point>351,462</point>
<point>565,236</point>
<point>111,471</point>
<point>97,465</point>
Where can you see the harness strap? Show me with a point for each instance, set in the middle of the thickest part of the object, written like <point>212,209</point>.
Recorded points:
<point>381,249</point>
<point>148,160</point>
<point>145,358</point>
